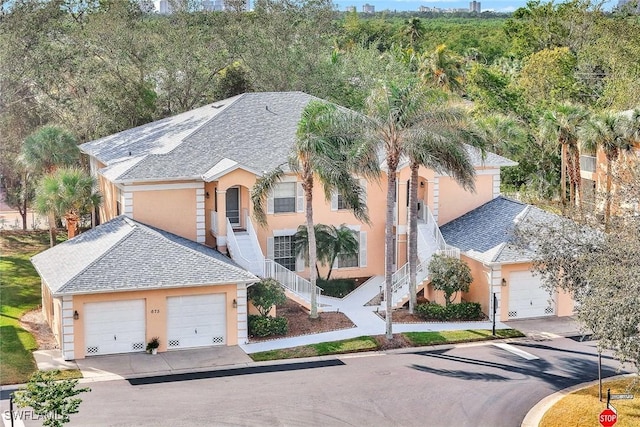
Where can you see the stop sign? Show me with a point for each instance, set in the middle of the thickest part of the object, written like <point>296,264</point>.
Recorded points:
<point>608,418</point>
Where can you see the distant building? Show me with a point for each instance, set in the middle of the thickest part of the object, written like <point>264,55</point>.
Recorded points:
<point>368,8</point>
<point>165,7</point>
<point>429,9</point>
<point>351,9</point>
<point>474,6</point>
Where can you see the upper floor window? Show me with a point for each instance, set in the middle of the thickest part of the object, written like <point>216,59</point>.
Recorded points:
<point>284,197</point>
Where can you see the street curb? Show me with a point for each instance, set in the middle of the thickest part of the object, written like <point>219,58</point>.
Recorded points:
<point>535,414</point>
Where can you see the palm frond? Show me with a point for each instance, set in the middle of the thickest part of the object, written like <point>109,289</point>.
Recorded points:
<point>260,191</point>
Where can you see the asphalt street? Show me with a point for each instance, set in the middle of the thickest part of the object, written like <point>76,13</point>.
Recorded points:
<point>469,385</point>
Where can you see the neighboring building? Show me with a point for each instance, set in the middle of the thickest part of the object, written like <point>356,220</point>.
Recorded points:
<point>113,288</point>
<point>350,9</point>
<point>191,175</point>
<point>368,8</point>
<point>474,6</point>
<point>165,7</point>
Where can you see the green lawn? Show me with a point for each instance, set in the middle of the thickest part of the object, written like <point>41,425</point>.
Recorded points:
<point>367,343</point>
<point>19,293</point>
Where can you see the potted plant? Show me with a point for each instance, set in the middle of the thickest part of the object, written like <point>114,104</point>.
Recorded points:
<point>152,346</point>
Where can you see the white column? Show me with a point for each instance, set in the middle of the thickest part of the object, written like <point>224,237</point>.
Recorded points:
<point>241,311</point>
<point>201,227</point>
<point>68,351</point>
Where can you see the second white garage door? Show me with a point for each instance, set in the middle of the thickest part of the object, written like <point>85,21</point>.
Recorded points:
<point>196,321</point>
<point>527,298</point>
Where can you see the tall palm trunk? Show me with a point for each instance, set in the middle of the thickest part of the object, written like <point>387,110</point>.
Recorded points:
<point>607,201</point>
<point>392,165</point>
<point>53,230</point>
<point>563,177</point>
<point>307,185</point>
<point>413,235</point>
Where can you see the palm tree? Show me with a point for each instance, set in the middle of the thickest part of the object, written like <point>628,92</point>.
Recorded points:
<point>67,193</point>
<point>323,244</point>
<point>319,154</point>
<point>441,69</point>
<point>438,145</point>
<point>562,124</point>
<point>43,152</point>
<point>49,148</point>
<point>331,242</point>
<point>413,29</point>
<point>611,132</point>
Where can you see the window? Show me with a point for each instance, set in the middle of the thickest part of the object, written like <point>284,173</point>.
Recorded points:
<point>283,252</point>
<point>341,202</point>
<point>284,197</point>
<point>349,260</point>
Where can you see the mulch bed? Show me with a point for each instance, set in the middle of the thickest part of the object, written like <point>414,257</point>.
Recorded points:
<point>33,321</point>
<point>300,323</point>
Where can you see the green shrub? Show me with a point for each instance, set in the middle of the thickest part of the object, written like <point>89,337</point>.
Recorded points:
<point>431,311</point>
<point>336,287</point>
<point>465,311</point>
<point>462,311</point>
<point>264,326</point>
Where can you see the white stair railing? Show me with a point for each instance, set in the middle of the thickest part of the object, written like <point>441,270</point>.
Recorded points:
<point>400,279</point>
<point>256,245</point>
<point>290,280</point>
<point>234,249</point>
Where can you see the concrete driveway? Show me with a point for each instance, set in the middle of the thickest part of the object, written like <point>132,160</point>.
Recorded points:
<point>131,365</point>
<point>546,328</point>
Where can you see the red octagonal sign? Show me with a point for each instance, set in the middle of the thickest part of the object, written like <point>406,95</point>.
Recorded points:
<point>608,418</point>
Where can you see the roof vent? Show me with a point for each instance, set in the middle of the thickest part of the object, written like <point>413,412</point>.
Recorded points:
<point>217,105</point>
<point>128,221</point>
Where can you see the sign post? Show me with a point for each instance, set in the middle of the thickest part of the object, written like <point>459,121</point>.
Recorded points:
<point>495,310</point>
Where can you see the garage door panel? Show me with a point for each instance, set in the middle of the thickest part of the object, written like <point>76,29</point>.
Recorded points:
<point>196,320</point>
<point>114,327</point>
<point>527,298</point>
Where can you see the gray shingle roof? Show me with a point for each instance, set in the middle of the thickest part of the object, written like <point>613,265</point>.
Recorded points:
<point>486,232</point>
<point>124,254</point>
<point>254,130</point>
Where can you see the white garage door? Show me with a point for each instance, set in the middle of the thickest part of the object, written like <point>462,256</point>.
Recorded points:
<point>196,320</point>
<point>114,327</point>
<point>527,298</point>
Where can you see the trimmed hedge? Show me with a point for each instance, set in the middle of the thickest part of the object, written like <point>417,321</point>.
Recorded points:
<point>462,311</point>
<point>336,287</point>
<point>264,326</point>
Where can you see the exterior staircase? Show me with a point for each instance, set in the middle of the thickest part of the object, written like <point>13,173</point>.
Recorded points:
<point>430,242</point>
<point>245,250</point>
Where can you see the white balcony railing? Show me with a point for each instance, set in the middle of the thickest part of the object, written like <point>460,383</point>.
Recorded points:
<point>234,249</point>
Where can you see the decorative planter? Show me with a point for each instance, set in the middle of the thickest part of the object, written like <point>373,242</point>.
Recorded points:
<point>154,351</point>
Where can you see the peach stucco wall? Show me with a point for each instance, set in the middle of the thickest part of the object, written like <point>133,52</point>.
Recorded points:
<point>479,289</point>
<point>455,201</point>
<point>170,210</point>
<point>109,192</point>
<point>52,312</point>
<point>156,321</point>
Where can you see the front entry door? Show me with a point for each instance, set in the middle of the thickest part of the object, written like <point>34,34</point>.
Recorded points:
<point>233,206</point>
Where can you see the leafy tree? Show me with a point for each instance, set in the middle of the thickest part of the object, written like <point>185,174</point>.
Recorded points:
<point>67,193</point>
<point>610,132</point>
<point>548,76</point>
<point>450,275</point>
<point>323,244</point>
<point>266,294</point>
<point>599,270</point>
<point>54,400</point>
<point>319,154</point>
<point>413,30</point>
<point>19,191</point>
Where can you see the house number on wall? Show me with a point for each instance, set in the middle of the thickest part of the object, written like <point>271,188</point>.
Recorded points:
<point>155,311</point>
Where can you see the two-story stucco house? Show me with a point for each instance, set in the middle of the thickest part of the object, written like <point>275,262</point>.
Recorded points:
<point>190,176</point>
